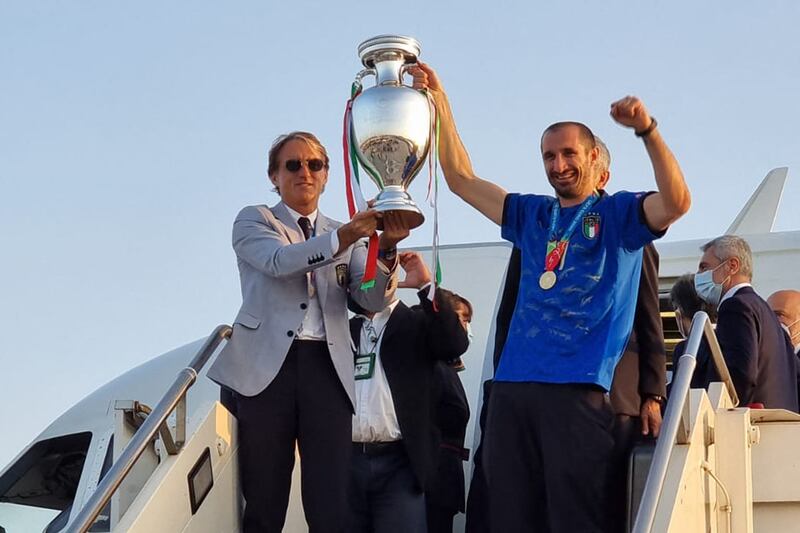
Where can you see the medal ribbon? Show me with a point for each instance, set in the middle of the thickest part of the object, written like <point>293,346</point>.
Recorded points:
<point>555,251</point>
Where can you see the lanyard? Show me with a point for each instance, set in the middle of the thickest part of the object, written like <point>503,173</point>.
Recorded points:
<point>555,250</point>
<point>374,334</point>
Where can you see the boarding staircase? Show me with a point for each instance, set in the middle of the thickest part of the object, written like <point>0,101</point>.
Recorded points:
<point>163,479</point>
<point>716,467</point>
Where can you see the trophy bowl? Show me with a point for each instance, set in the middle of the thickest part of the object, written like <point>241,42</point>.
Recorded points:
<point>391,124</point>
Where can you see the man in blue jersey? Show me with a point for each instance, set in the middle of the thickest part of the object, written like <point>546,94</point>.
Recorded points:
<point>548,436</point>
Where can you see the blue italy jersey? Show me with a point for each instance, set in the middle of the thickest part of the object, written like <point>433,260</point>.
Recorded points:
<point>576,331</point>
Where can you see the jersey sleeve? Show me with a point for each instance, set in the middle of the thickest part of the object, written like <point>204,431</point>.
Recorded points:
<point>519,210</point>
<point>630,216</point>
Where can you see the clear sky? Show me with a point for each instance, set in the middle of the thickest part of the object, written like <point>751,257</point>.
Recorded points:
<point>132,133</point>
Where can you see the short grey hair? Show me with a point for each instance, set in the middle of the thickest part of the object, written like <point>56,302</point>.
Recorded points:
<point>728,246</point>
<point>604,159</point>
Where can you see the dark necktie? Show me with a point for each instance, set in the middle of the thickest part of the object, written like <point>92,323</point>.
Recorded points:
<point>305,225</point>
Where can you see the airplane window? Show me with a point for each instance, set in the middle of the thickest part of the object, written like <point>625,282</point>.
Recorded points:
<point>42,483</point>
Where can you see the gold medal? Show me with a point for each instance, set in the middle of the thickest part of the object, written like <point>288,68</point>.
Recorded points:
<point>547,280</point>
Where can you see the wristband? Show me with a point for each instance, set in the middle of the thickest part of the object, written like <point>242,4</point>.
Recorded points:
<point>648,130</point>
<point>657,398</point>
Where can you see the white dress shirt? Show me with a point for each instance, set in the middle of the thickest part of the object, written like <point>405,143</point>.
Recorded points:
<point>375,419</point>
<point>313,326</point>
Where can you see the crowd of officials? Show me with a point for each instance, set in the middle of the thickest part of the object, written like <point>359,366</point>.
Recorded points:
<point>371,398</point>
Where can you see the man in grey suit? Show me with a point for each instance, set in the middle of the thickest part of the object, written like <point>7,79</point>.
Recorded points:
<point>289,363</point>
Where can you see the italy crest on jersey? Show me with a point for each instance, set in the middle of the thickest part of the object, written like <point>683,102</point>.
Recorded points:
<point>591,225</point>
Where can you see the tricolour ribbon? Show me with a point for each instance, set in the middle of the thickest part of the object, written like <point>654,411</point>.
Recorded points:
<point>433,199</point>
<point>355,198</point>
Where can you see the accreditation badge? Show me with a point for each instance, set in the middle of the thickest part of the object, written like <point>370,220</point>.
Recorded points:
<point>365,365</point>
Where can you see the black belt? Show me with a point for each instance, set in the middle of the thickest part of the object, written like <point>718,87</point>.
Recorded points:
<point>378,448</point>
<point>463,453</point>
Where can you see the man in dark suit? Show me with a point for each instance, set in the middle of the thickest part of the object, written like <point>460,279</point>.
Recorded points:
<point>639,384</point>
<point>758,353</point>
<point>444,495</point>
<point>686,304</point>
<point>394,437</point>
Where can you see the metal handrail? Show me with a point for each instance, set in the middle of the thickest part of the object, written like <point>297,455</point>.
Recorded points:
<point>141,439</point>
<point>701,327</point>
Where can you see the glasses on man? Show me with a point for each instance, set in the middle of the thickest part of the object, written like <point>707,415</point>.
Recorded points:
<point>314,165</point>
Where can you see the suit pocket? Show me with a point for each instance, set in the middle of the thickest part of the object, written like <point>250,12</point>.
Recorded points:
<point>247,320</point>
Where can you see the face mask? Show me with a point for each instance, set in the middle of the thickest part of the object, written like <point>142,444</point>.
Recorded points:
<point>706,289</point>
<point>788,330</point>
<point>469,333</point>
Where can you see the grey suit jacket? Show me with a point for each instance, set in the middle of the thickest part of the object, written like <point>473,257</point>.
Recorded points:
<point>273,259</point>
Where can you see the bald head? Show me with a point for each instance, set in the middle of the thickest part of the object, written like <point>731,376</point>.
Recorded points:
<point>786,305</point>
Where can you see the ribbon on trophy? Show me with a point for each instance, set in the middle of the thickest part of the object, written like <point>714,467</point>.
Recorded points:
<point>355,198</point>
<point>433,200</point>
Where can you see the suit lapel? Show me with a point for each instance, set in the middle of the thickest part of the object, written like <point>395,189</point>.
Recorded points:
<point>394,327</point>
<point>293,231</point>
<point>323,224</point>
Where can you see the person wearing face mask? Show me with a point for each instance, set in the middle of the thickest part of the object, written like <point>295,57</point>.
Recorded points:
<point>394,441</point>
<point>786,305</point>
<point>758,353</point>
<point>686,303</point>
<point>444,495</point>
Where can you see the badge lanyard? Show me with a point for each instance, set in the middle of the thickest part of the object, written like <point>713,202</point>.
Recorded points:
<point>365,363</point>
<point>557,249</point>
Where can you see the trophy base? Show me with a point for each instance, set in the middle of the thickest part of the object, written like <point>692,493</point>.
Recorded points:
<point>395,199</point>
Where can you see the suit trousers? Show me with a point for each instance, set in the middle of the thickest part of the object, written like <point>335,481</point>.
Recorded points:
<point>626,430</point>
<point>305,403</point>
<point>478,496</point>
<point>549,449</point>
<point>383,493</point>
<point>440,519</point>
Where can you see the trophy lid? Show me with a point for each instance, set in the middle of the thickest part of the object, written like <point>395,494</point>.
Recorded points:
<point>407,46</point>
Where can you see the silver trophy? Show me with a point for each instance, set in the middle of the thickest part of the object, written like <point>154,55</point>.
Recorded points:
<point>391,124</point>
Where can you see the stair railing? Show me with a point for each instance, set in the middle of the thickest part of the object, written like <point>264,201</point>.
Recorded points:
<point>152,425</point>
<point>675,426</point>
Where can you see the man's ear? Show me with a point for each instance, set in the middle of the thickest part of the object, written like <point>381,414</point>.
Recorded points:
<point>603,181</point>
<point>734,265</point>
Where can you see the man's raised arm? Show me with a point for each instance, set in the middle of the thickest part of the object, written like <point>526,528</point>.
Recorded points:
<point>672,200</point>
<point>483,195</point>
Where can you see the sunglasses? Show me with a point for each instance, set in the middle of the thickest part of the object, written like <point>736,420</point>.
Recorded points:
<point>314,165</point>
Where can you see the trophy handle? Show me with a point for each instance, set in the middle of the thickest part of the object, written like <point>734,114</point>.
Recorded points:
<point>363,74</point>
<point>404,70</point>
